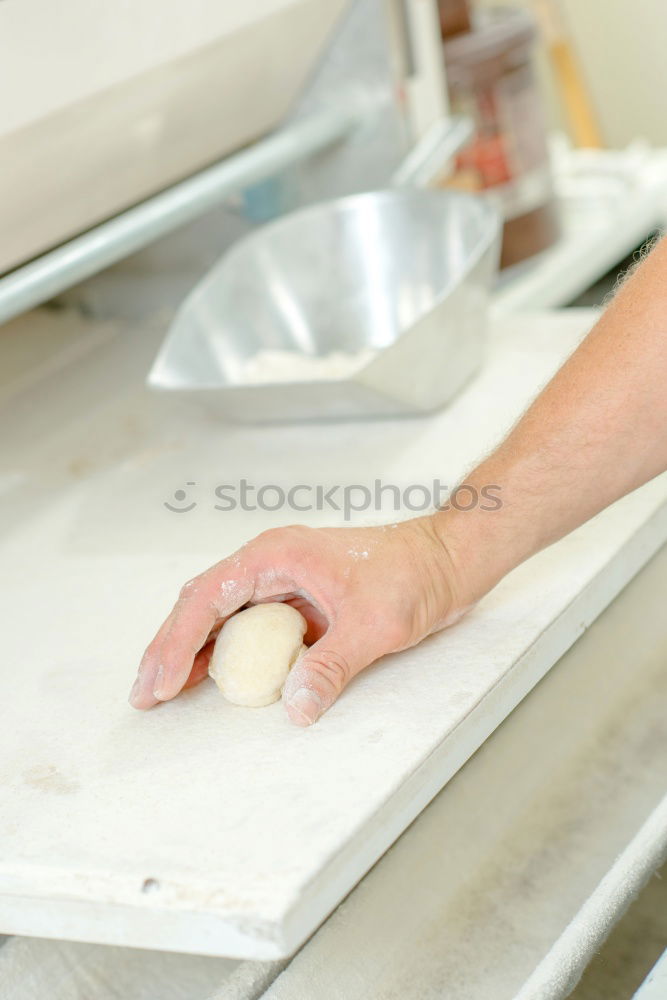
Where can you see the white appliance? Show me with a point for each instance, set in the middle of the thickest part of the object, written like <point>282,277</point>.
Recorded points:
<point>139,94</point>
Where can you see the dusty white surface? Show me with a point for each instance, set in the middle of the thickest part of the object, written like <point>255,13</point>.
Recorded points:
<point>168,830</point>
<point>561,816</point>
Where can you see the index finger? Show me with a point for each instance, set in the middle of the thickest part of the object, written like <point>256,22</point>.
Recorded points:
<point>204,602</point>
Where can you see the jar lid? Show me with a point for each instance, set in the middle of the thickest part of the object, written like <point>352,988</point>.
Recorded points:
<point>496,32</point>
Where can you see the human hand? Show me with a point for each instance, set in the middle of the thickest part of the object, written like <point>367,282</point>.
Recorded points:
<point>364,592</point>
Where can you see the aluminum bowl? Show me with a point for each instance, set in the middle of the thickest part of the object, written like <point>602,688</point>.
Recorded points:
<point>400,279</point>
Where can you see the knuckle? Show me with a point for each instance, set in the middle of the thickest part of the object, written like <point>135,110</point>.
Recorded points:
<point>286,542</point>
<point>269,541</point>
<point>150,651</point>
<point>187,589</point>
<point>286,532</point>
<point>268,535</point>
<point>385,632</point>
<point>332,667</point>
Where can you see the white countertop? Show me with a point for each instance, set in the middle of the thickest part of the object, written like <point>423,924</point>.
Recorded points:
<point>248,829</point>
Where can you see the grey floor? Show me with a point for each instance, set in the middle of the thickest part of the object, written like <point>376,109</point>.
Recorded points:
<point>632,949</point>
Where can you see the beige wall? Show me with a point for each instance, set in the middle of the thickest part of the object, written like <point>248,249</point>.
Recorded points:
<point>622,48</point>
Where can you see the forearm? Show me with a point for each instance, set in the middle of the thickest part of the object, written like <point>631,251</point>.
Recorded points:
<point>596,432</point>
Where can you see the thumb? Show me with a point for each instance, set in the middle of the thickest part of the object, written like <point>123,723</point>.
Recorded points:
<point>319,676</point>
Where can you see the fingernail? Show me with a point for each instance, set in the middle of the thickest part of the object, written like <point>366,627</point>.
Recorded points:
<point>134,691</point>
<point>306,707</point>
<point>159,677</point>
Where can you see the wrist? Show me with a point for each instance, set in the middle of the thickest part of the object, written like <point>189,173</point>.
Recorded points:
<point>482,535</point>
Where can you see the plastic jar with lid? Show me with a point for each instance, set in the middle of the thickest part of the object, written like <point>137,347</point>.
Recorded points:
<point>455,17</point>
<point>491,78</point>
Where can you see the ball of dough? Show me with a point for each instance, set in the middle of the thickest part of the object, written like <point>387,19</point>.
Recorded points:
<point>254,653</point>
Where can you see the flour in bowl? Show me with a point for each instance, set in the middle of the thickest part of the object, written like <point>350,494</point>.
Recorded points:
<point>270,366</point>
